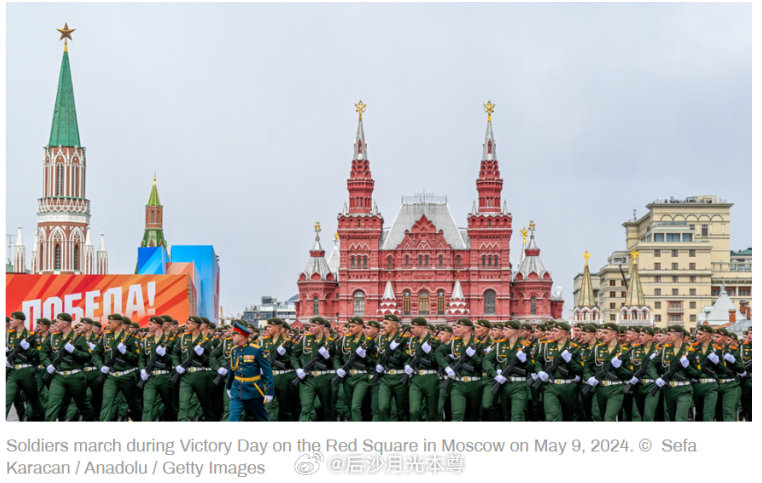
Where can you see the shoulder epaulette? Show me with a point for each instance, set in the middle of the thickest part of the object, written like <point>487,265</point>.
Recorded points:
<point>54,333</point>
<point>254,345</point>
<point>525,342</point>
<point>694,344</point>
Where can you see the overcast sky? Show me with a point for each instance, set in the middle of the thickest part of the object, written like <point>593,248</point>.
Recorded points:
<point>245,113</point>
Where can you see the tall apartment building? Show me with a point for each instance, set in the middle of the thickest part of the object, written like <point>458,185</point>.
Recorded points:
<point>684,260</point>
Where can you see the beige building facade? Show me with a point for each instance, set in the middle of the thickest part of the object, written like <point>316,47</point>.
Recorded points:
<point>684,259</point>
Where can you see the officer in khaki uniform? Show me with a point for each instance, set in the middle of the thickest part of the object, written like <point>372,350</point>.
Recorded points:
<point>355,346</point>
<point>421,370</point>
<point>466,392</point>
<point>390,363</point>
<point>316,348</point>
<point>506,365</point>
<point>559,390</point>
<point>609,387</point>
<point>676,355</point>
<point>64,355</point>
<point>20,344</point>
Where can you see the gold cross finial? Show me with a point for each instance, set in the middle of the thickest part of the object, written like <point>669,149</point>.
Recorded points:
<point>317,230</point>
<point>154,178</point>
<point>489,108</point>
<point>360,107</point>
<point>524,232</point>
<point>66,34</point>
<point>531,225</point>
<point>586,255</point>
<point>635,254</point>
<point>336,236</point>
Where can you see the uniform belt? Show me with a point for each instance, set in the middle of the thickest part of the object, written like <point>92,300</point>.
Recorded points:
<point>196,369</point>
<point>561,381</point>
<point>425,371</point>
<point>392,372</point>
<point>90,369</point>
<point>247,379</point>
<point>611,383</point>
<point>157,372</point>
<point>705,380</point>
<point>722,381</point>
<point>21,366</point>
<point>124,373</point>
<point>320,373</point>
<point>516,379</point>
<point>286,371</point>
<point>468,378</point>
<point>69,373</point>
<point>646,380</point>
<point>678,383</point>
<point>357,371</point>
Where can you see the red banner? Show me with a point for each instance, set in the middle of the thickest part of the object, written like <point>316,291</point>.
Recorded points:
<point>96,296</point>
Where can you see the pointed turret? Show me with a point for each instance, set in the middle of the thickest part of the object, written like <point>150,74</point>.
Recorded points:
<point>154,230</point>
<point>35,266</point>
<point>635,295</point>
<point>531,262</point>
<point>88,254</point>
<point>458,306</point>
<point>64,131</point>
<point>388,304</point>
<point>586,308</point>
<point>360,183</point>
<point>489,184</point>
<point>635,312</point>
<point>102,260</point>
<point>334,257</point>
<point>18,253</point>
<point>317,263</point>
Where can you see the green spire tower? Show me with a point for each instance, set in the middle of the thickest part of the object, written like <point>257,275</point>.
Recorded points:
<point>65,131</point>
<point>154,234</point>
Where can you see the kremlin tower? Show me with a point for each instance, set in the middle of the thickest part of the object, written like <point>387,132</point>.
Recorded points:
<point>635,312</point>
<point>587,309</point>
<point>154,232</point>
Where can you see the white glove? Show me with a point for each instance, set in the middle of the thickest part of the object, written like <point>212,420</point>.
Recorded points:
<point>393,345</point>
<point>743,374</point>
<point>653,354</point>
<point>470,352</point>
<point>592,381</point>
<point>229,396</point>
<point>281,350</point>
<point>499,371</point>
<point>91,346</point>
<point>450,372</point>
<point>500,378</point>
<point>324,352</point>
<point>488,350</point>
<point>730,358</point>
<point>143,374</point>
<point>361,352</point>
<point>122,348</point>
<point>566,356</point>
<point>408,370</point>
<point>69,348</point>
<point>379,368</point>
<point>105,369</point>
<point>300,372</point>
<point>425,347</point>
<point>713,357</point>
<point>633,381</point>
<point>198,350</point>
<point>577,378</point>
<point>616,362</point>
<point>222,371</point>
<point>543,376</point>
<point>684,361</point>
<point>268,399</point>
<point>7,364</point>
<point>24,344</point>
<point>660,382</point>
<point>534,376</point>
<point>341,372</point>
<point>180,369</point>
<point>50,369</point>
<point>521,356</point>
<point>161,350</point>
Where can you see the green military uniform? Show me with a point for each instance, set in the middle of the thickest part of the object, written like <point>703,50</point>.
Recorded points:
<point>559,391</point>
<point>196,378</point>
<point>317,381</point>
<point>390,352</point>
<point>513,393</point>
<point>42,388</point>
<point>284,406</point>
<point>705,387</point>
<point>355,382</point>
<point>19,373</point>
<point>641,396</point>
<point>745,353</point>
<point>156,370</point>
<point>729,388</point>
<point>421,368</point>
<point>466,391</point>
<point>220,362</point>
<point>64,356</point>
<point>609,391</point>
<point>117,355</point>
<point>678,393</point>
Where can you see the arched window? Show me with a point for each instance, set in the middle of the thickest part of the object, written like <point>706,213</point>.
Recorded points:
<point>484,260</point>
<point>359,303</point>
<point>75,172</point>
<point>426,261</point>
<point>441,260</point>
<point>57,257</point>
<point>358,221</point>
<point>76,257</point>
<point>59,180</point>
<point>533,302</point>
<point>153,217</point>
<point>406,303</point>
<point>364,262</point>
<point>489,302</point>
<point>315,306</point>
<point>440,302</point>
<point>423,303</point>
<point>497,260</point>
<point>407,261</point>
<point>389,262</point>
<point>352,262</point>
<point>420,261</point>
<point>457,261</point>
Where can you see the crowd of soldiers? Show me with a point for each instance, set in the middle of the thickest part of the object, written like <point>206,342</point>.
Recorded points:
<point>373,371</point>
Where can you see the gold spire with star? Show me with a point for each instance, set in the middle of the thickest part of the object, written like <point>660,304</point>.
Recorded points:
<point>635,296</point>
<point>489,108</point>
<point>524,232</point>
<point>360,108</point>
<point>66,34</point>
<point>586,294</point>
<point>586,255</point>
<point>317,230</point>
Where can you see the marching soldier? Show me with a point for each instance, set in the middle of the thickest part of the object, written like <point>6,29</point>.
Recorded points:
<point>312,360</point>
<point>277,345</point>
<point>559,393</point>
<point>510,352</point>
<point>705,387</point>
<point>250,380</point>
<point>372,329</point>
<point>444,406</point>
<point>729,366</point>
<point>462,354</point>
<point>745,353</point>
<point>117,354</point>
<point>22,357</point>
<point>642,361</point>
<point>609,390</point>
<point>155,372</point>
<point>675,359</point>
<point>390,367</point>
<point>190,356</point>
<point>64,355</point>
<point>220,360</point>
<point>421,370</point>
<point>354,347</point>
<point>42,335</point>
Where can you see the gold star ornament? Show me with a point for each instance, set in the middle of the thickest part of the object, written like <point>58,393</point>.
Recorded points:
<point>66,32</point>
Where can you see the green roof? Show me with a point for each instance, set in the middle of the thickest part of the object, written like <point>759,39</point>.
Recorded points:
<point>745,253</point>
<point>153,199</point>
<point>64,131</point>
